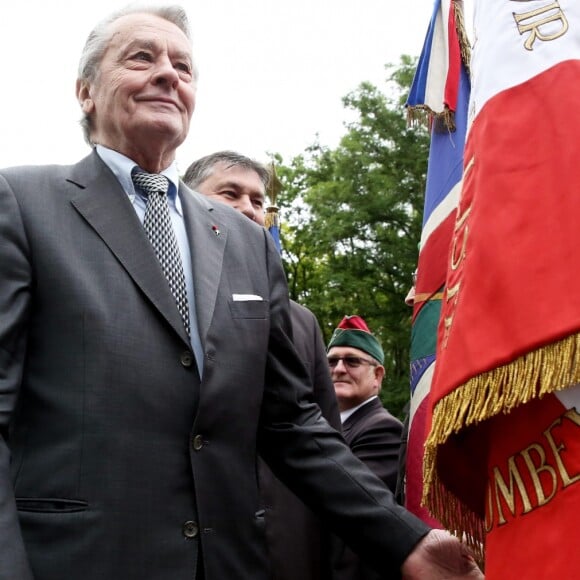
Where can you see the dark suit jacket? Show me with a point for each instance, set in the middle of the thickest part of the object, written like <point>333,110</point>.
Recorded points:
<point>374,436</point>
<point>116,461</point>
<point>298,543</point>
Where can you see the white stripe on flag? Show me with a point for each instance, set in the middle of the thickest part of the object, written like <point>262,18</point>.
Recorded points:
<point>438,62</point>
<point>421,390</point>
<point>500,59</point>
<point>440,213</point>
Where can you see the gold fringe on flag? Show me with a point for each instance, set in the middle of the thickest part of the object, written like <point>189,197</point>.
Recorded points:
<point>423,115</point>
<point>458,519</point>
<point>444,120</point>
<point>551,368</point>
<point>464,44</point>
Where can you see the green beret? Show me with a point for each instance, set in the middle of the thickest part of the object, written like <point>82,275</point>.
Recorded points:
<point>354,332</point>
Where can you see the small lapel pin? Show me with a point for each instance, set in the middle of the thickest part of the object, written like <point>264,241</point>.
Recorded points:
<point>215,230</point>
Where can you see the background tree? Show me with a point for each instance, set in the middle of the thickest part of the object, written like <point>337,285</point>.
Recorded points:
<point>352,221</point>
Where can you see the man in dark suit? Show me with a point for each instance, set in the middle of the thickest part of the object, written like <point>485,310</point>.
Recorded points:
<point>145,357</point>
<point>356,358</point>
<point>298,544</point>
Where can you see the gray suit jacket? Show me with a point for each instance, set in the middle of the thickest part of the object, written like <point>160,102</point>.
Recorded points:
<point>116,462</point>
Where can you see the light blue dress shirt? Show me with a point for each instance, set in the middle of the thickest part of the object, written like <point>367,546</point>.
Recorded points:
<point>122,167</point>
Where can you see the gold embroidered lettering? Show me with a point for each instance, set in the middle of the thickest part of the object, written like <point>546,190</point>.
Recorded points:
<point>456,259</point>
<point>536,470</point>
<point>546,475</point>
<point>462,219</point>
<point>447,322</point>
<point>573,416</point>
<point>508,494</point>
<point>533,21</point>
<point>453,291</point>
<point>556,449</point>
<point>450,293</point>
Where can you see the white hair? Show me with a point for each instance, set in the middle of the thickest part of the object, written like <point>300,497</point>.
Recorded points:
<point>100,37</point>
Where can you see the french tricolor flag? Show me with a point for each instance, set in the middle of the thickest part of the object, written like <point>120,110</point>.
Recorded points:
<point>439,94</point>
<point>501,457</point>
<point>435,86</point>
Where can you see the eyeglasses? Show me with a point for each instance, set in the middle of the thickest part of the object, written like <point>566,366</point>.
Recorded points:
<point>352,362</point>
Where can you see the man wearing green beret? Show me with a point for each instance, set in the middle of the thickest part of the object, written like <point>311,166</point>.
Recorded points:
<point>356,358</point>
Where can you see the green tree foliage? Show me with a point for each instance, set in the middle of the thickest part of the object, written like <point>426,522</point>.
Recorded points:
<point>352,222</point>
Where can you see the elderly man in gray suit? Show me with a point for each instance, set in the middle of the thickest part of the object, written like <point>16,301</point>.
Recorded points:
<point>145,357</point>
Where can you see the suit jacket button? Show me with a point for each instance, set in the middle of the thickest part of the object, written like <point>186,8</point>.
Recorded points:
<point>197,442</point>
<point>187,359</point>
<point>190,529</point>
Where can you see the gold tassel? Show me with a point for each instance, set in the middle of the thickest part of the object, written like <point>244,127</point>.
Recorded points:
<point>274,187</point>
<point>419,115</point>
<point>422,115</point>
<point>551,368</point>
<point>445,120</point>
<point>271,218</point>
<point>458,519</point>
<point>464,45</point>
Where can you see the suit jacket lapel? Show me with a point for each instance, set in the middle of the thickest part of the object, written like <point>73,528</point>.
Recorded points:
<point>100,199</point>
<point>207,239</point>
<point>360,414</point>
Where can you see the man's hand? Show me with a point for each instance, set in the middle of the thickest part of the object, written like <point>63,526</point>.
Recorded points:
<point>440,556</point>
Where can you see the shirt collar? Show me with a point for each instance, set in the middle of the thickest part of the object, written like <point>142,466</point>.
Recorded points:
<point>344,415</point>
<point>122,167</point>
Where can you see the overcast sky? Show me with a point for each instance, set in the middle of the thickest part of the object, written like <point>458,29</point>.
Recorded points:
<point>272,72</point>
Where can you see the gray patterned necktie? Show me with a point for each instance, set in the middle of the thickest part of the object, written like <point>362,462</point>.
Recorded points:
<point>159,230</point>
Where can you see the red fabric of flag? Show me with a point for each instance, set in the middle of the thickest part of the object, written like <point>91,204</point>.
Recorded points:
<point>509,333</point>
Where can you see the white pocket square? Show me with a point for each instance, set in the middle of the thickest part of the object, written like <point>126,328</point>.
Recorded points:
<point>246,297</point>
